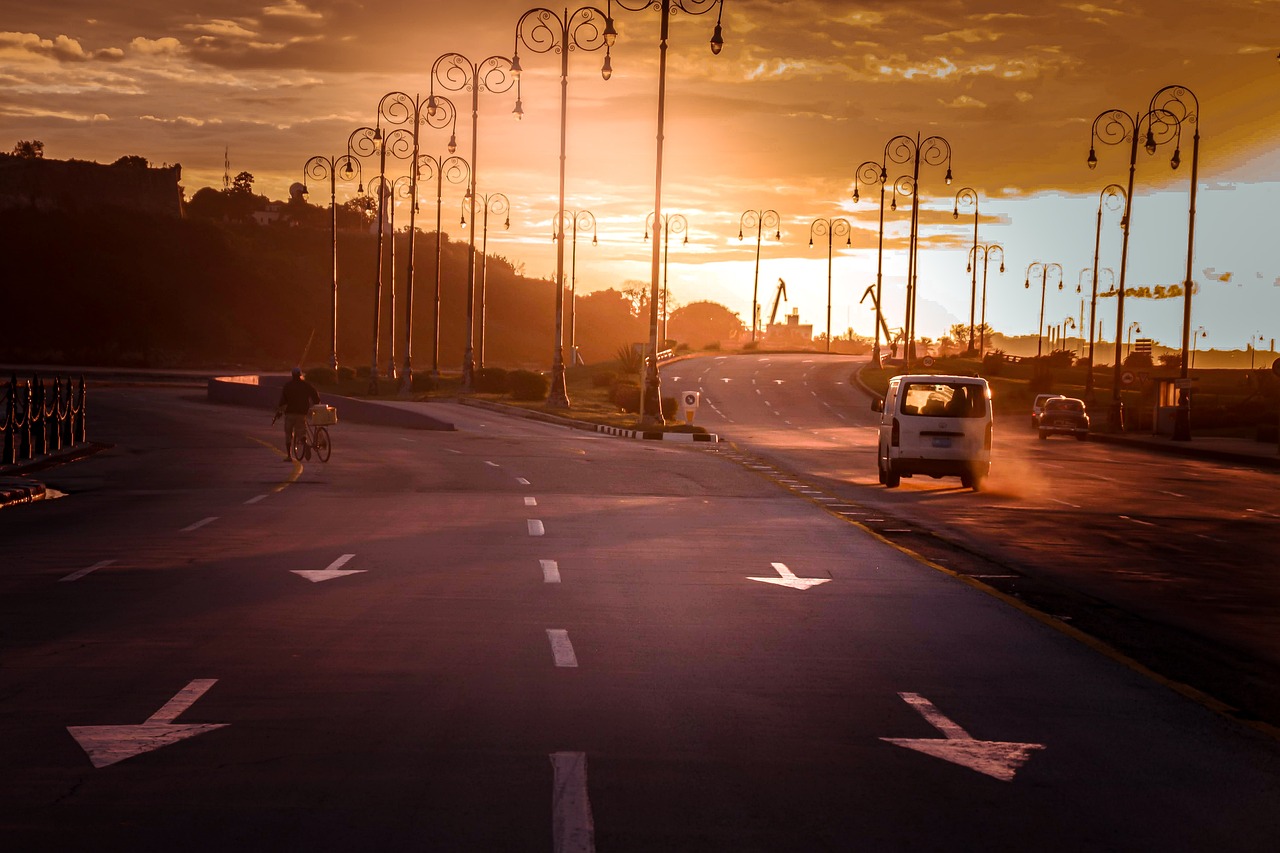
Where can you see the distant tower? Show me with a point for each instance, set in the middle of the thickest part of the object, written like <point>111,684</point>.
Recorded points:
<point>226,169</point>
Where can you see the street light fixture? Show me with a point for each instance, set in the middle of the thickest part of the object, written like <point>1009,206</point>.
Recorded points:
<point>455,72</point>
<point>320,168</point>
<point>390,190</point>
<point>583,219</point>
<point>651,393</point>
<point>1112,197</point>
<point>455,170</point>
<point>759,220</point>
<point>967,196</point>
<point>671,222</point>
<point>1128,338</point>
<point>497,204</point>
<point>1114,127</point>
<point>1200,335</point>
<point>830,228</point>
<point>543,31</point>
<point>1044,270</point>
<point>985,250</point>
<point>931,151</point>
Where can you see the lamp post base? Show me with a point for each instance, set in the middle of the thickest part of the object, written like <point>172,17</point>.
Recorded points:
<point>1182,420</point>
<point>875,357</point>
<point>373,380</point>
<point>406,381</point>
<point>1115,418</point>
<point>558,398</point>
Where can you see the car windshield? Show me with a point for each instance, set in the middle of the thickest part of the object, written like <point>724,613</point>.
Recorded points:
<point>1064,405</point>
<point>944,399</point>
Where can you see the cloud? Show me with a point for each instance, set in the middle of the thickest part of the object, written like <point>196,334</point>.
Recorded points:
<point>62,48</point>
<point>167,46</point>
<point>963,102</point>
<point>292,9</point>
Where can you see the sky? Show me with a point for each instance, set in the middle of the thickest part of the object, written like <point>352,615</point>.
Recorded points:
<point>803,92</point>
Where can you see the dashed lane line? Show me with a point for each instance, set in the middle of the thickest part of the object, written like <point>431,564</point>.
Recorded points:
<point>535,527</point>
<point>530,501</point>
<point>201,523</point>
<point>561,648</point>
<point>550,571</point>
<point>75,576</point>
<point>255,499</point>
<point>572,828</point>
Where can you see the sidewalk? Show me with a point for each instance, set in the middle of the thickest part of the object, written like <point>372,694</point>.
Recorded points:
<point>1258,454</point>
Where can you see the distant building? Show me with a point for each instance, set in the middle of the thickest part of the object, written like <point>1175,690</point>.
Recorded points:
<point>272,211</point>
<point>790,332</point>
<point>78,186</point>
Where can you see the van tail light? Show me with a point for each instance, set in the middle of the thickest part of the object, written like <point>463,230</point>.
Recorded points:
<point>895,437</point>
<point>986,438</point>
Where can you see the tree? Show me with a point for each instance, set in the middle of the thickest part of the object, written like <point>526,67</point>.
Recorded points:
<point>242,184</point>
<point>132,161</point>
<point>30,149</point>
<point>701,322</point>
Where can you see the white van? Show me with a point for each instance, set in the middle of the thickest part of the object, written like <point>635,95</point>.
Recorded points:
<point>939,426</point>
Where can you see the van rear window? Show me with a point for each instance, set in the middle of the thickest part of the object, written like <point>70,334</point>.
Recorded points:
<point>943,399</point>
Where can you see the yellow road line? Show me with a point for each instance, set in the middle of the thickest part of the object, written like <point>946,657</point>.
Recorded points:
<point>293,475</point>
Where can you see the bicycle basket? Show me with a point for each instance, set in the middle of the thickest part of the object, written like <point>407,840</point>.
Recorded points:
<point>322,415</point>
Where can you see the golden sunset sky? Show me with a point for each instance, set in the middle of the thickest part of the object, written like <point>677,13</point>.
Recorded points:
<point>803,92</point>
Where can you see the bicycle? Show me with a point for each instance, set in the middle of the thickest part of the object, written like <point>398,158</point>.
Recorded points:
<point>311,437</point>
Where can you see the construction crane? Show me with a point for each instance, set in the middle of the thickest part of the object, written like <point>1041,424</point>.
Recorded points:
<point>780,295</point>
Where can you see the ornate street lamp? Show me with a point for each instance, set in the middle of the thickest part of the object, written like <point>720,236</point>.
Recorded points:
<point>871,172</point>
<point>651,393</point>
<point>390,190</point>
<point>543,31</point>
<point>931,151</point>
<point>455,72</point>
<point>830,228</point>
<point>985,250</point>
<point>1114,127</point>
<point>1044,270</point>
<point>1112,197</point>
<point>1199,335</point>
<point>320,168</point>
<point>1093,272</point>
<point>499,205</point>
<point>455,170</point>
<point>670,222</point>
<point>759,220</point>
<point>1128,338</point>
<point>399,108</point>
<point>583,219</point>
<point>968,196</point>
<point>1180,104</point>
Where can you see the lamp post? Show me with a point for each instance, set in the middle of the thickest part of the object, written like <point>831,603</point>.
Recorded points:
<point>966,196</point>
<point>930,151</point>
<point>1114,127</point>
<point>1179,104</point>
<point>499,205</point>
<point>455,170</point>
<point>985,250</point>
<point>830,228</point>
<point>871,172</point>
<point>320,168</point>
<point>1128,337</point>
<point>670,222</point>
<point>543,31</point>
<point>399,188</point>
<point>1199,336</point>
<point>1112,197</point>
<point>759,220</point>
<point>455,72</point>
<point>583,219</point>
<point>1044,270</point>
<point>651,393</point>
<point>399,108</point>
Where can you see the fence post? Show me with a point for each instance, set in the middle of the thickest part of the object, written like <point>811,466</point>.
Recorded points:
<point>9,421</point>
<point>79,427</point>
<point>24,437</point>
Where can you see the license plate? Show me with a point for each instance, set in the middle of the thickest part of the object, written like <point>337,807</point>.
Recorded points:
<point>942,442</point>
<point>1062,423</point>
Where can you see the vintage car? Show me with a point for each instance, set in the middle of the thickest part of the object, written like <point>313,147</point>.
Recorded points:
<point>1064,416</point>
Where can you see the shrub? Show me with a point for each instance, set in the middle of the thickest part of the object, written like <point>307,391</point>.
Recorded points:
<point>362,372</point>
<point>629,359</point>
<point>603,378</point>
<point>682,348</point>
<point>1138,361</point>
<point>1171,360</point>
<point>670,405</point>
<point>993,362</point>
<point>424,382</point>
<point>747,347</point>
<point>714,346</point>
<point>527,385</point>
<point>346,374</point>
<point>491,380</point>
<point>626,396</point>
<point>320,376</point>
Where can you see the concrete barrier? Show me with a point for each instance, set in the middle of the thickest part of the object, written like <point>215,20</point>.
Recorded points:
<point>263,392</point>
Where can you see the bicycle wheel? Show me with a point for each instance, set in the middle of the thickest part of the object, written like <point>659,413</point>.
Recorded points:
<point>322,445</point>
<point>299,448</point>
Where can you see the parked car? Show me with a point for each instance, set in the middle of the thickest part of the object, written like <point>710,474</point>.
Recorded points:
<point>937,426</point>
<point>1064,416</point>
<point>1037,408</point>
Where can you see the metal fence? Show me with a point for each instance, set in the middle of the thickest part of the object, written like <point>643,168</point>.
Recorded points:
<point>40,417</point>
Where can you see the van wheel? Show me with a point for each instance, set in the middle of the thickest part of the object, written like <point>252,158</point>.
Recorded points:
<point>1080,436</point>
<point>880,473</point>
<point>972,480</point>
<point>892,479</point>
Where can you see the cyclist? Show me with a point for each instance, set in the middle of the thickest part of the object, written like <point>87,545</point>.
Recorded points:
<point>296,397</point>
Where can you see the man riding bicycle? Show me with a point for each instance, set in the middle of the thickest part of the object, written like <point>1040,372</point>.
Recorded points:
<point>296,397</point>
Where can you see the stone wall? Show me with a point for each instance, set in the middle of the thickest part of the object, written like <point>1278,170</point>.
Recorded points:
<point>77,186</point>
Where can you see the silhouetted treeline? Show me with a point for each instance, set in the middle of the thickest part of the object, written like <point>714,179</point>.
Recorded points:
<point>132,289</point>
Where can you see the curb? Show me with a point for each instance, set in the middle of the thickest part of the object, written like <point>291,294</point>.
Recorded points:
<point>516,411</point>
<point>18,490</point>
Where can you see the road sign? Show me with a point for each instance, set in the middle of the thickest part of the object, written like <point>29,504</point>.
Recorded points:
<point>1127,377</point>
<point>107,745</point>
<point>927,361</point>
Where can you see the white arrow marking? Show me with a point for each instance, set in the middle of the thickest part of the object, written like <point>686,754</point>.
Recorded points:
<point>788,578</point>
<point>572,829</point>
<point>725,379</point>
<point>778,381</point>
<point>997,759</point>
<point>106,745</point>
<point>334,570</point>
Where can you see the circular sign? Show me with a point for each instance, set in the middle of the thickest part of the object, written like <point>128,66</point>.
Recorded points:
<point>1126,378</point>
<point>691,399</point>
<point>927,361</point>
<point>1275,367</point>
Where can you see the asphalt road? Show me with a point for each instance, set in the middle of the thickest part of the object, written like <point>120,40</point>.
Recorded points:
<point>521,637</point>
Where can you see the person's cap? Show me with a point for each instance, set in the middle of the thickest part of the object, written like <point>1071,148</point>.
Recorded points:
<point>297,372</point>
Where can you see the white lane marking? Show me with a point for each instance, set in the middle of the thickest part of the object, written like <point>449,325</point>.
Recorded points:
<point>255,499</point>
<point>789,579</point>
<point>1064,503</point>
<point>334,570</point>
<point>522,481</point>
<point>535,527</point>
<point>1172,494</point>
<point>454,452</point>
<point>409,440</point>
<point>492,464</point>
<point>75,576</point>
<point>530,501</point>
<point>1139,521</point>
<point>561,648</point>
<point>550,571</point>
<point>106,745</point>
<point>572,829</point>
<point>997,759</point>
<point>201,523</point>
